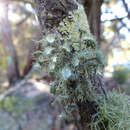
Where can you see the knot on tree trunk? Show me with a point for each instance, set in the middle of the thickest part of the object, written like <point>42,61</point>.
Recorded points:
<point>52,12</point>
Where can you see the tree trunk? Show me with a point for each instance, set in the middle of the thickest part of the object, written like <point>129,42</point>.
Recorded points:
<point>70,52</point>
<point>12,62</point>
<point>30,59</point>
<point>93,11</point>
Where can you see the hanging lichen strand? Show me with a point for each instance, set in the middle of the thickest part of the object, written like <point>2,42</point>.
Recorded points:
<point>70,52</point>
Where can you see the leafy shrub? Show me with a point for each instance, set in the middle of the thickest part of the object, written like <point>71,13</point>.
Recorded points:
<point>13,103</point>
<point>121,75</point>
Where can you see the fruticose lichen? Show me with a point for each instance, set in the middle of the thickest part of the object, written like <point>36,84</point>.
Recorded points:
<point>72,55</point>
<point>113,113</point>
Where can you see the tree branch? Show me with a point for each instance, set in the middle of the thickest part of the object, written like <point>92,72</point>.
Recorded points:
<point>126,8</point>
<point>17,86</point>
<point>120,20</point>
<point>115,19</point>
<point>124,25</point>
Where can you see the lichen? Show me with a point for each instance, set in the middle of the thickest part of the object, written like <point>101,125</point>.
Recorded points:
<point>115,112</point>
<point>72,55</point>
<point>74,25</point>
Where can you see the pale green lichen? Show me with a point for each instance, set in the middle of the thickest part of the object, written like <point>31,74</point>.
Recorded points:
<point>50,38</point>
<point>115,112</point>
<point>72,55</point>
<point>72,26</point>
<point>66,73</point>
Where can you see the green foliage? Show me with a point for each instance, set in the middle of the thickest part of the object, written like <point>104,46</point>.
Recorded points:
<point>113,113</point>
<point>13,103</point>
<point>121,75</point>
<point>9,103</point>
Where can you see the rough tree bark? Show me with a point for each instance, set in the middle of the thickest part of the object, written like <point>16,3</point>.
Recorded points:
<point>30,59</point>
<point>70,52</point>
<point>12,62</point>
<point>93,12</point>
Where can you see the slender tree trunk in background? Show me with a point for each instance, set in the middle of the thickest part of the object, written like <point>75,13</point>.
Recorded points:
<point>93,11</point>
<point>12,61</point>
<point>30,59</point>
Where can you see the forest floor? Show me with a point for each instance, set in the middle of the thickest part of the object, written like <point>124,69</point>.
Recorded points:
<point>31,109</point>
